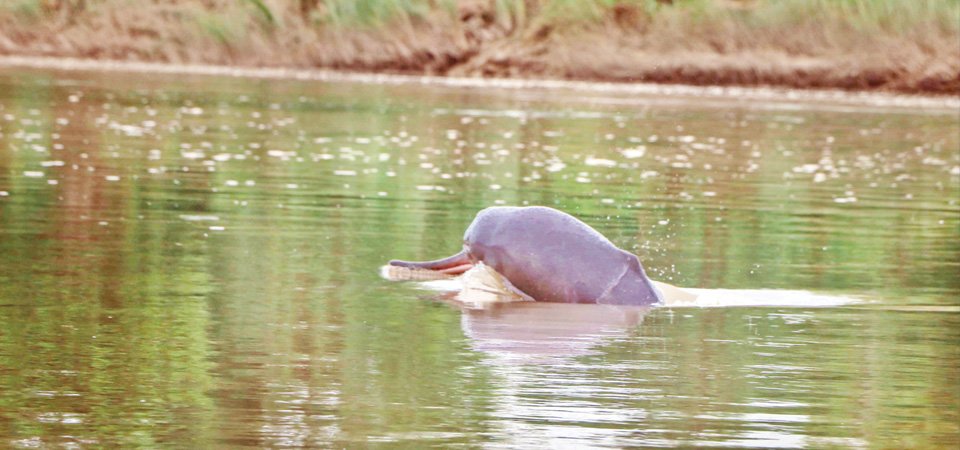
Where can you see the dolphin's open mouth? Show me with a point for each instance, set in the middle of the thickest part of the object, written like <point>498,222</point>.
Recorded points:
<point>453,265</point>
<point>480,285</point>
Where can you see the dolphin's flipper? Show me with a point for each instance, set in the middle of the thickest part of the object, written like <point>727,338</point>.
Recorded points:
<point>453,265</point>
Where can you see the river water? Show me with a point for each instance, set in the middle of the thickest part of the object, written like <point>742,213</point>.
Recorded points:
<point>193,262</point>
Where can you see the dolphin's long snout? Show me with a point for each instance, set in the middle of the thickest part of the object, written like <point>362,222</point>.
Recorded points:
<point>455,264</point>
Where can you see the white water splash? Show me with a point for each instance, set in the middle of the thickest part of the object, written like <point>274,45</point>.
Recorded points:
<point>481,286</point>
<point>719,298</point>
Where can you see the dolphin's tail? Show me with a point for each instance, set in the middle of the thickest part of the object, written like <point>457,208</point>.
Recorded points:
<point>453,265</point>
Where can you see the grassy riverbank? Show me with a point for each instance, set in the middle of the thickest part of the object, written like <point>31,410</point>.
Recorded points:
<point>893,45</point>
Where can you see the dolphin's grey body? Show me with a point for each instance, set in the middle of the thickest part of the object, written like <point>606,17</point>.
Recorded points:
<point>550,256</point>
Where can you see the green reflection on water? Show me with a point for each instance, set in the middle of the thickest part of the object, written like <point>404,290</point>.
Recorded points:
<point>193,263</point>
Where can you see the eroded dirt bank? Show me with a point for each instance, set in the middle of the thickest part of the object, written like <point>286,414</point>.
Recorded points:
<point>728,43</point>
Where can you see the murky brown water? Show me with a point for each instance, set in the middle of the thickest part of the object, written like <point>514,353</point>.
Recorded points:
<point>192,262</point>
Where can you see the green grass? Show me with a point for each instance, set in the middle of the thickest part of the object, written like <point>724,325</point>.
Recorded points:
<point>886,15</point>
<point>26,9</point>
<point>221,29</point>
<point>894,16</point>
<point>866,15</point>
<point>367,13</point>
<point>264,11</point>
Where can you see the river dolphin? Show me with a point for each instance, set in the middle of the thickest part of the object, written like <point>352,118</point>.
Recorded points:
<point>549,256</point>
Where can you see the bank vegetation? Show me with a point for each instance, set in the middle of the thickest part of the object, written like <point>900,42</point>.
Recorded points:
<point>892,45</point>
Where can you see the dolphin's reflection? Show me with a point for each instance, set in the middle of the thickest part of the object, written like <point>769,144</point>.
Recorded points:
<point>529,331</point>
<point>503,322</point>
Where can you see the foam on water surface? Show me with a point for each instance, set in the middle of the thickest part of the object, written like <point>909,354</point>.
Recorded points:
<point>482,286</point>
